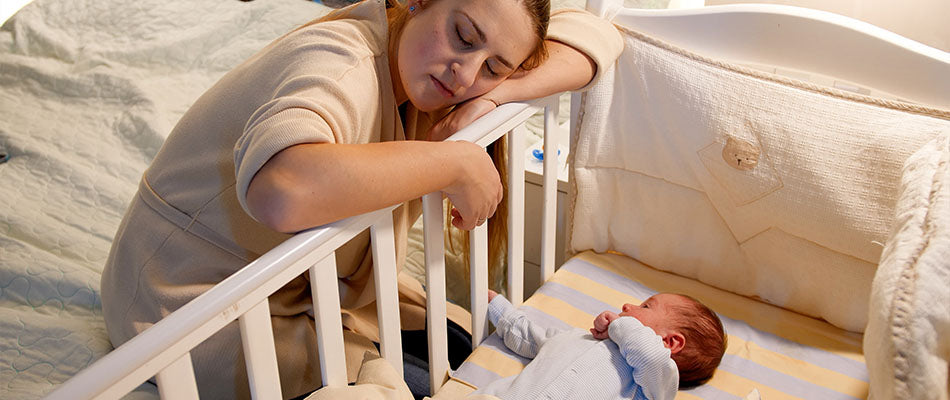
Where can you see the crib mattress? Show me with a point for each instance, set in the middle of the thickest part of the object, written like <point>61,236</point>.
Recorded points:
<point>779,353</point>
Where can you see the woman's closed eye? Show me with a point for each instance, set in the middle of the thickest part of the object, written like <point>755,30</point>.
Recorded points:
<point>491,71</point>
<point>466,44</point>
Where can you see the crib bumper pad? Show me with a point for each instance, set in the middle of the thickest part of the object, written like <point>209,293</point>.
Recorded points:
<point>749,181</point>
<point>906,341</point>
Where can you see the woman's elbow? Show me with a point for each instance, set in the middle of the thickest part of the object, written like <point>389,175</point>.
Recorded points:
<point>270,205</point>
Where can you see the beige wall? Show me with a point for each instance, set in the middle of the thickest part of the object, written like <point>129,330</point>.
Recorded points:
<point>926,21</point>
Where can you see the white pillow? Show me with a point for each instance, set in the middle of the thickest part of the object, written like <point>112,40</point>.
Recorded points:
<point>907,341</point>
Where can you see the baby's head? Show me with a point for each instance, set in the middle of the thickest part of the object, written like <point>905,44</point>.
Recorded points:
<point>691,331</point>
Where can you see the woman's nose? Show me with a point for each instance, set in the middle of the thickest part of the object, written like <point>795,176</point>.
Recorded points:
<point>465,72</point>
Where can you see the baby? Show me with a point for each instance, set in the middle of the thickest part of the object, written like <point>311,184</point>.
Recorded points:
<point>667,341</point>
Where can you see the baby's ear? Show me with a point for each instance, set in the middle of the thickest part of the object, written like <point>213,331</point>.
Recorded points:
<point>674,341</point>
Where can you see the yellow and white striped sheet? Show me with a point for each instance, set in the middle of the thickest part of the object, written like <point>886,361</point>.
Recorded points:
<point>782,354</point>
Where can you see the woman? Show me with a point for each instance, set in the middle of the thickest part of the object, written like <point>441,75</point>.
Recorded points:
<point>321,125</point>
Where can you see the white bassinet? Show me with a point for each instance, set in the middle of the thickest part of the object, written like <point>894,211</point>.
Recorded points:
<point>766,160</point>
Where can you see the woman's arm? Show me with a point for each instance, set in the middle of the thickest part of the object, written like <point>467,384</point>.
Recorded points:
<point>309,185</point>
<point>565,69</point>
<point>579,46</point>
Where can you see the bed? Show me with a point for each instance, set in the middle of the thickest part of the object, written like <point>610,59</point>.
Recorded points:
<point>88,92</point>
<point>83,111</point>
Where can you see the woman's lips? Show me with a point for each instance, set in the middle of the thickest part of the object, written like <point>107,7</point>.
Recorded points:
<point>442,89</point>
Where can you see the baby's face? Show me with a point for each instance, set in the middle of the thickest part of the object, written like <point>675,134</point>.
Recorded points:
<point>655,312</point>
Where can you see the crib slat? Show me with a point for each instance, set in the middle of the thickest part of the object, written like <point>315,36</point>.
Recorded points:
<point>478,270</point>
<point>387,291</point>
<point>257,337</point>
<point>326,315</point>
<point>549,225</point>
<point>433,224</point>
<point>516,216</point>
<point>177,380</point>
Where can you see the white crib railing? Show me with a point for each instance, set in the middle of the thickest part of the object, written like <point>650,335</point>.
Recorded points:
<point>163,350</point>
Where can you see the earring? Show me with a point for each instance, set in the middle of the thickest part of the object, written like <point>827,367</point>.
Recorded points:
<point>412,8</point>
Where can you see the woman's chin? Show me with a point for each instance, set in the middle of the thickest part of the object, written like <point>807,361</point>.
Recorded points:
<point>429,106</point>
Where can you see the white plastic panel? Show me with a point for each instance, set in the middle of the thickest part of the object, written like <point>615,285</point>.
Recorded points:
<point>805,42</point>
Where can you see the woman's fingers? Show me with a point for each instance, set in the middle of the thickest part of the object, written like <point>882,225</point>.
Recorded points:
<point>464,114</point>
<point>477,192</point>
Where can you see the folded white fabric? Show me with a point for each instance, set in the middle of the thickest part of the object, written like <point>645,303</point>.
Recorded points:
<point>906,342</point>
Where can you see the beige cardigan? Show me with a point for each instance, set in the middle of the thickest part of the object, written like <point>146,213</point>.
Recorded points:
<point>187,227</point>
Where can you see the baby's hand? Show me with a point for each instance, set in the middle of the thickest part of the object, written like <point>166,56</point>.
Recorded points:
<point>491,295</point>
<point>601,323</point>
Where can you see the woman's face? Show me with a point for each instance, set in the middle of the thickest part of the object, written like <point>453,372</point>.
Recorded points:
<point>453,50</point>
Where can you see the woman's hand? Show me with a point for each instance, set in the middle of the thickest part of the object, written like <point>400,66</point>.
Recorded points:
<point>461,116</point>
<point>476,198</point>
<point>601,323</point>
<point>477,191</point>
<point>491,295</point>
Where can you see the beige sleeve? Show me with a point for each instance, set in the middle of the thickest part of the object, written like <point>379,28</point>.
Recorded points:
<point>594,36</point>
<point>322,88</point>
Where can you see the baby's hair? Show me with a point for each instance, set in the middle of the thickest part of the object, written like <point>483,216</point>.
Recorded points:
<point>705,342</point>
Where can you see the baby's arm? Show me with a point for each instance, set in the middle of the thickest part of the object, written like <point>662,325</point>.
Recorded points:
<point>653,368</point>
<point>516,330</point>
